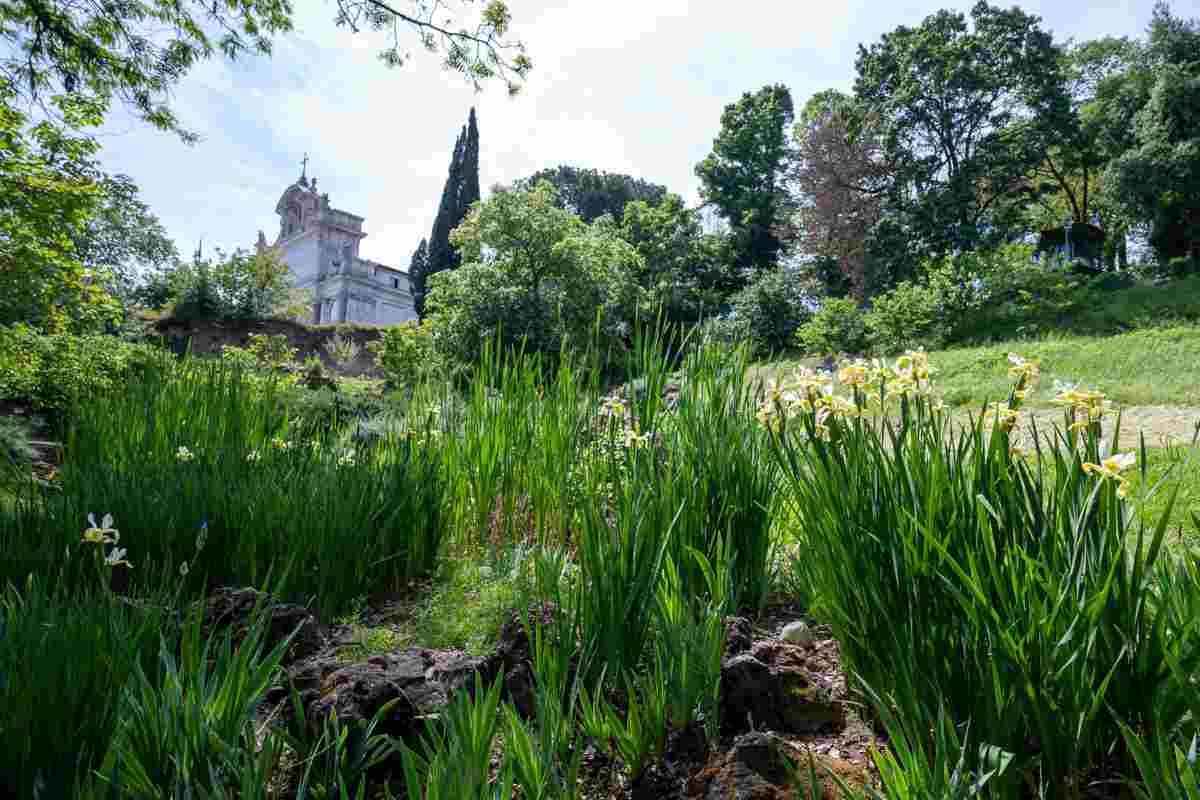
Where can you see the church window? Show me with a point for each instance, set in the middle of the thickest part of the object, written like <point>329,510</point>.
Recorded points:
<point>395,283</point>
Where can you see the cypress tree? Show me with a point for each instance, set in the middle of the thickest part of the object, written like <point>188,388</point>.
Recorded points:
<point>417,270</point>
<point>440,254</point>
<point>470,168</point>
<point>460,191</point>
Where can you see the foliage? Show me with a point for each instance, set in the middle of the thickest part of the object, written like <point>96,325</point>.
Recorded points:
<point>136,54</point>
<point>535,276</point>
<point>123,240</point>
<point>591,193</point>
<point>838,326</point>
<point>905,318</point>
<point>686,273</point>
<point>342,349</point>
<point>417,267</point>
<point>53,371</point>
<point>186,726</point>
<point>743,176</point>
<point>238,286</point>
<point>965,115</point>
<point>1033,572</point>
<point>406,353</point>
<point>455,757</point>
<point>202,456</point>
<point>48,192</point>
<point>771,309</point>
<point>65,656</point>
<point>15,448</point>
<point>839,173</point>
<point>459,194</point>
<point>934,312</point>
<point>1157,179</point>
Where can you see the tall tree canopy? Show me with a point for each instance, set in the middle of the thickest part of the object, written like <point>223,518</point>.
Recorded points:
<point>535,275</point>
<point>591,193</point>
<point>1158,178</point>
<point>841,176</point>
<point>967,111</point>
<point>135,52</point>
<point>123,240</point>
<point>460,192</point>
<point>685,272</point>
<point>744,174</point>
<point>48,193</point>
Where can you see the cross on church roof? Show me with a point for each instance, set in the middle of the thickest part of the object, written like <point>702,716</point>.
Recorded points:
<point>304,167</point>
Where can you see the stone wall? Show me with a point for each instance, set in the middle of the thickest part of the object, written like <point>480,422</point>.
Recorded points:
<point>207,337</point>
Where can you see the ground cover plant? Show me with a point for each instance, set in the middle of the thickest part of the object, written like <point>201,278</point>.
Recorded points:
<point>1004,606</point>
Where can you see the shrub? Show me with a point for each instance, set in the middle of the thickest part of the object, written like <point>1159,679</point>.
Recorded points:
<point>771,309</point>
<point>837,326</point>
<point>406,353</point>
<point>904,319</point>
<point>51,371</point>
<point>342,349</point>
<point>15,447</point>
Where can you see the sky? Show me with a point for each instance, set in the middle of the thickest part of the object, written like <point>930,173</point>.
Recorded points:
<point>630,86</point>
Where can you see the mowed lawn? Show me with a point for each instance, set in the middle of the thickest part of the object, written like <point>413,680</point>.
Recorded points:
<point>1154,366</point>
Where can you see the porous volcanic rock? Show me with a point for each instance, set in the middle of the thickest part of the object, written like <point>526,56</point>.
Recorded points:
<point>233,608</point>
<point>422,681</point>
<point>739,635</point>
<point>775,686</point>
<point>764,766</point>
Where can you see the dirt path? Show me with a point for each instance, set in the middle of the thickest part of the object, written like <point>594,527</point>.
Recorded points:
<point>1162,425</point>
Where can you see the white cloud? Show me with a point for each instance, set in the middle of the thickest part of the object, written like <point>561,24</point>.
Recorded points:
<point>624,86</point>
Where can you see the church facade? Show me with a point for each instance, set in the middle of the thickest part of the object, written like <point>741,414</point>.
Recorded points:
<point>319,244</point>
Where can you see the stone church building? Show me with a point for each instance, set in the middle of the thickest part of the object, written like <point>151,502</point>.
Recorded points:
<point>319,244</point>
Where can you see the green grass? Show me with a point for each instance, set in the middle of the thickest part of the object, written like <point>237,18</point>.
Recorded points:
<point>1154,366</point>
<point>1090,311</point>
<point>1173,464</point>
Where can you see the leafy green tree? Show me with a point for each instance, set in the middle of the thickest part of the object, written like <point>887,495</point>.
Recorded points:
<point>48,193</point>
<point>967,112</point>
<point>1157,180</point>
<point>591,193</point>
<point>135,52</point>
<point>770,310</point>
<point>239,285</point>
<point>123,240</point>
<point>459,193</point>
<point>534,275</point>
<point>744,174</point>
<point>687,274</point>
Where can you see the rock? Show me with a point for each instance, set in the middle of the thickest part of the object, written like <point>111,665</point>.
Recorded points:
<point>772,686</point>
<point>763,766</point>
<point>657,782</point>
<point>423,681</point>
<point>739,635</point>
<point>232,608</point>
<point>797,633</point>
